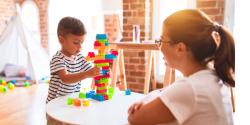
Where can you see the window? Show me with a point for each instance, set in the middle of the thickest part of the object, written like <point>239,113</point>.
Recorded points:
<point>30,18</point>
<point>89,12</point>
<point>162,9</point>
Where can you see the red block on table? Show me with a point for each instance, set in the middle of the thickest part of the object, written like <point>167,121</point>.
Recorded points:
<point>101,91</point>
<point>91,54</point>
<point>106,97</point>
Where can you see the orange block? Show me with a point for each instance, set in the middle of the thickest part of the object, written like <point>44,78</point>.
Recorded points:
<point>77,102</point>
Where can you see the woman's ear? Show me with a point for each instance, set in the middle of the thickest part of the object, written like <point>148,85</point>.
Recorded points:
<point>181,48</point>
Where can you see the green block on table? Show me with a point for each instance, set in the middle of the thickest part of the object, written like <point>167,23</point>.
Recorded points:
<point>111,90</point>
<point>110,96</point>
<point>82,95</point>
<point>70,101</point>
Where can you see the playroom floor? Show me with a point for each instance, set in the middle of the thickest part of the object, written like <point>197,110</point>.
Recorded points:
<point>24,106</point>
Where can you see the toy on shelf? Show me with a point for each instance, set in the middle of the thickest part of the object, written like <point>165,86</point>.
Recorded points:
<point>103,59</point>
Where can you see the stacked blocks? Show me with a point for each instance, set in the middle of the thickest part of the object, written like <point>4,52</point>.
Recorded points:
<point>102,60</point>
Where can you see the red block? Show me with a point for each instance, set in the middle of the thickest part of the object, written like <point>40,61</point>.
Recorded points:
<point>114,52</point>
<point>99,77</point>
<point>101,91</point>
<point>100,85</point>
<point>97,43</point>
<point>91,54</point>
<point>103,61</point>
<point>105,67</point>
<point>106,97</point>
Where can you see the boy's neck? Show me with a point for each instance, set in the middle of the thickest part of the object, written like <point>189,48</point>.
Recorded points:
<point>67,54</point>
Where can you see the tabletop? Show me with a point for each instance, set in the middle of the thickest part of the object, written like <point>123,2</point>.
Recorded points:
<point>110,112</point>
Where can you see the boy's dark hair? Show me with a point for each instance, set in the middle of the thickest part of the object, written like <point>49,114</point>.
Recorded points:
<point>71,25</point>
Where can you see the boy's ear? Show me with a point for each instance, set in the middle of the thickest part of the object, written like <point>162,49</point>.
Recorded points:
<point>60,39</point>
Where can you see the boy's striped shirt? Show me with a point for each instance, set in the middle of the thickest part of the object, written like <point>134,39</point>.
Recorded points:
<point>58,62</point>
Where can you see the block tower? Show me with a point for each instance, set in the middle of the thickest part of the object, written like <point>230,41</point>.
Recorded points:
<point>103,59</point>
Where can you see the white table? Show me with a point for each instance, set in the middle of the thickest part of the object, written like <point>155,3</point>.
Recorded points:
<point>110,112</point>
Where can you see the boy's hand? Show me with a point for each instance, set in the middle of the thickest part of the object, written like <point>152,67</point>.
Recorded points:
<point>136,106</point>
<point>95,71</point>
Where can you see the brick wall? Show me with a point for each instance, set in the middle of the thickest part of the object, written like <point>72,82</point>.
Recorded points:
<point>43,12</point>
<point>140,12</point>
<point>7,10</point>
<point>136,12</point>
<point>214,8</point>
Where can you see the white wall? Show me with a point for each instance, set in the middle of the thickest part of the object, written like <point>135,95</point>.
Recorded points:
<point>242,26</point>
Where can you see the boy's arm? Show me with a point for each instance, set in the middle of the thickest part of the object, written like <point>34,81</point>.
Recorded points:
<point>72,78</point>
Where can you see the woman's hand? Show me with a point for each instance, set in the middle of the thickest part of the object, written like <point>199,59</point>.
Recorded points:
<point>135,107</point>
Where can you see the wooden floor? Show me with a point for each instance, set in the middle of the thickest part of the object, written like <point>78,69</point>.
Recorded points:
<point>24,106</point>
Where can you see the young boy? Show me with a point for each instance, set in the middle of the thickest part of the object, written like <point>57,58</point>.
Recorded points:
<point>68,67</point>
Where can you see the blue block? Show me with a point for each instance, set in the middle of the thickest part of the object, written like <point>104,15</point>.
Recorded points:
<point>13,81</point>
<point>92,91</point>
<point>27,78</point>
<point>90,94</point>
<point>101,36</point>
<point>104,72</point>
<point>110,56</point>
<point>127,92</point>
<point>98,97</point>
<point>107,44</point>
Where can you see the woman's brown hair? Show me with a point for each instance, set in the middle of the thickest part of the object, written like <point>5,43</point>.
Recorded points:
<point>194,28</point>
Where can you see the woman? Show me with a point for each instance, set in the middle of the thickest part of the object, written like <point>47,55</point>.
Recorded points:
<point>204,52</point>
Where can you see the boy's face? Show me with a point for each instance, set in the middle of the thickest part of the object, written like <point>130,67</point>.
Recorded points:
<point>71,44</point>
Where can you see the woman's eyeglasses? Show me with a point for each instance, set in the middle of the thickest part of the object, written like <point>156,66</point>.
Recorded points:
<point>160,41</point>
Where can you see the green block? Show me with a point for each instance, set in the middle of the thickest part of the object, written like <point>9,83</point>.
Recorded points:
<point>102,40</point>
<point>110,96</point>
<point>103,80</point>
<point>111,90</point>
<point>82,95</point>
<point>70,101</point>
<point>102,64</point>
<point>3,89</point>
<point>101,88</point>
<point>26,84</point>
